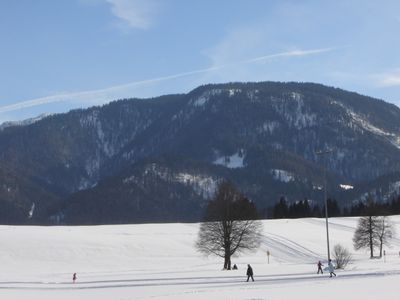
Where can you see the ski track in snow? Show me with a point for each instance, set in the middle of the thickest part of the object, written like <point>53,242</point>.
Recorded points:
<point>332,225</point>
<point>288,250</point>
<point>395,241</point>
<point>220,281</point>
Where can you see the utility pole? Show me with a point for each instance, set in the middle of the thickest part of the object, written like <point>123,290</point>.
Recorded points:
<point>323,153</point>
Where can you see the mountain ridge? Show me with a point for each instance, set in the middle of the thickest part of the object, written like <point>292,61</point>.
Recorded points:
<point>263,136</point>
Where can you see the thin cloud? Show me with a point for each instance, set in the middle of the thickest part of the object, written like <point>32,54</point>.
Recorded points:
<point>121,91</point>
<point>137,14</point>
<point>289,54</point>
<point>389,79</point>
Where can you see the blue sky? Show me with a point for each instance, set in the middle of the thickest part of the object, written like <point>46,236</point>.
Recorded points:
<point>60,55</point>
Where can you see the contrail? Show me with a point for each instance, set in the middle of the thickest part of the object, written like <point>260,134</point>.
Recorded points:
<point>107,93</point>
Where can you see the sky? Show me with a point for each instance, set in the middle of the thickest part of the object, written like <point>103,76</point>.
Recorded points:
<point>60,55</point>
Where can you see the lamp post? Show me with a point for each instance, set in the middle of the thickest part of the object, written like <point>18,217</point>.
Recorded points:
<point>323,152</point>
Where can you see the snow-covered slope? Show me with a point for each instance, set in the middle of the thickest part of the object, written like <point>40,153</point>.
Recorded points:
<point>23,122</point>
<point>158,261</point>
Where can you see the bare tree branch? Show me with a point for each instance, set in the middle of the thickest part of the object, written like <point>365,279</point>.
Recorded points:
<point>231,225</point>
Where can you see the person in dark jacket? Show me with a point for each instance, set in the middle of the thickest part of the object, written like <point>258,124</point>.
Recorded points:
<point>320,267</point>
<point>74,278</point>
<point>249,273</point>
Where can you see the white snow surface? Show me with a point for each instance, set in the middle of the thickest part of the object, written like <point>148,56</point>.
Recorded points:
<point>159,261</point>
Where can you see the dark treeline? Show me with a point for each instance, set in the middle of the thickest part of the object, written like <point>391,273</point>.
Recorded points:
<point>371,208</point>
<point>305,208</point>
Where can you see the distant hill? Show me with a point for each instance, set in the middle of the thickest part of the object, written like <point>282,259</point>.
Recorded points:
<point>160,159</point>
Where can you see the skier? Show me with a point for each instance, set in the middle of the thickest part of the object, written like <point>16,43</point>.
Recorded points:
<point>74,278</point>
<point>249,273</point>
<point>331,268</point>
<point>320,267</point>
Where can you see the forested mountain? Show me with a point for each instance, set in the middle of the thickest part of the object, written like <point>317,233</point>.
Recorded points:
<point>160,159</point>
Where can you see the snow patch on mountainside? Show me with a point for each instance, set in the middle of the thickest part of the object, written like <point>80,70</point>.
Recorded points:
<point>385,193</point>
<point>89,120</point>
<point>203,185</point>
<point>346,187</point>
<point>268,127</point>
<point>6,188</point>
<point>205,97</point>
<point>365,124</point>
<point>92,121</point>
<point>291,107</point>
<point>282,175</point>
<point>234,161</point>
<point>24,122</point>
<point>200,101</point>
<point>394,189</point>
<point>92,166</point>
<point>253,95</point>
<point>296,96</point>
<point>232,92</point>
<point>84,184</point>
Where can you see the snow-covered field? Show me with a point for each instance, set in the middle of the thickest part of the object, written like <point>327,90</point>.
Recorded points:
<point>158,261</point>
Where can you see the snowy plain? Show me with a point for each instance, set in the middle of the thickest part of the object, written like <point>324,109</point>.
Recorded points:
<point>159,261</point>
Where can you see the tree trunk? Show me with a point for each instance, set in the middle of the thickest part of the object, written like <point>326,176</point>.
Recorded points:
<point>371,244</point>
<point>227,261</point>
<point>381,237</point>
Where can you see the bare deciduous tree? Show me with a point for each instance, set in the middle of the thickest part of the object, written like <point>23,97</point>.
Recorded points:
<point>230,226</point>
<point>341,255</point>
<point>385,232</point>
<point>366,234</point>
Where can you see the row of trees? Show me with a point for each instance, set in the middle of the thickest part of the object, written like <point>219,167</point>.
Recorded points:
<point>305,208</point>
<point>231,225</point>
<point>373,230</point>
<point>377,208</point>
